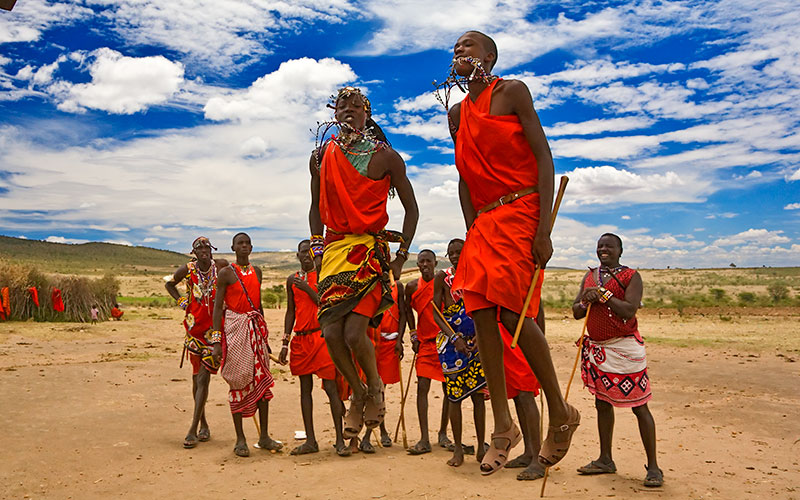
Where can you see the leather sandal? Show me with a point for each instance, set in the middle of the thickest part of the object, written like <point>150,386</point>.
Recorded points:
<point>555,446</point>
<point>354,420</point>
<point>496,458</point>
<point>374,412</point>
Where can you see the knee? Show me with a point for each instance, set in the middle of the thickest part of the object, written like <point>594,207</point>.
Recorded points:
<point>641,411</point>
<point>423,385</point>
<point>509,318</point>
<point>203,377</point>
<point>602,406</point>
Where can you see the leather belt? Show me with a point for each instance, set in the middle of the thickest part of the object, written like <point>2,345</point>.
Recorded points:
<point>307,332</point>
<point>509,198</point>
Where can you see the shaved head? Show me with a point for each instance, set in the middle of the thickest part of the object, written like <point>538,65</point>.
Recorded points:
<point>488,45</point>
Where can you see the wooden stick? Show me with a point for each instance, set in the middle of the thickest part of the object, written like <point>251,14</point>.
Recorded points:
<point>183,354</point>
<point>258,427</point>
<point>402,420</point>
<point>441,317</point>
<point>405,396</point>
<point>571,376</point>
<point>561,188</point>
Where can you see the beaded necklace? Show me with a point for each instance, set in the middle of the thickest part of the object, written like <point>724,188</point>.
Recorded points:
<point>206,282</point>
<point>349,139</point>
<point>442,90</point>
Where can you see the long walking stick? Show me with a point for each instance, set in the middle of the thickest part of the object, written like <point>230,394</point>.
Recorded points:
<point>402,420</point>
<point>405,396</point>
<point>569,384</point>
<point>561,188</point>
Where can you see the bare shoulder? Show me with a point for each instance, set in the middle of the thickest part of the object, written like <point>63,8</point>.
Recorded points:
<point>257,269</point>
<point>390,156</point>
<point>455,111</point>
<point>221,263</point>
<point>226,275</point>
<point>411,287</point>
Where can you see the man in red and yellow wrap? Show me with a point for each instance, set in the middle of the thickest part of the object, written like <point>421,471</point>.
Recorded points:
<point>419,295</point>
<point>242,348</point>
<point>200,277</point>
<point>506,191</point>
<point>306,349</point>
<point>351,175</point>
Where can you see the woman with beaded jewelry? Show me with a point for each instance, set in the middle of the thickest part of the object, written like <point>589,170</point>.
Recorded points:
<point>613,361</point>
<point>352,173</point>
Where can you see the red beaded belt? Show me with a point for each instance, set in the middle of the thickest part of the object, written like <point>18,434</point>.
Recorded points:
<point>509,198</point>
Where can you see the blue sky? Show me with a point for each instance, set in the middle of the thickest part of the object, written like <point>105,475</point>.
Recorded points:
<point>149,123</point>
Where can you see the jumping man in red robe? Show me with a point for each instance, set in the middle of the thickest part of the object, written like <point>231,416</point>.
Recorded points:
<point>506,190</point>
<point>351,175</point>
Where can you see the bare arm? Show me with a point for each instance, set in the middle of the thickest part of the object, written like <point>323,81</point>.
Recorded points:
<point>258,275</point>
<point>288,319</point>
<point>179,276</point>
<point>401,311</point>
<point>438,300</point>
<point>224,279</point>
<point>401,184</point>
<point>467,208</point>
<point>314,217</point>
<point>579,311</point>
<point>522,105</point>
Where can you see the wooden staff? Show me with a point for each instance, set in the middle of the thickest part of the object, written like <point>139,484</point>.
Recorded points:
<point>561,188</point>
<point>402,412</point>
<point>571,376</point>
<point>405,396</point>
<point>183,354</point>
<point>441,317</point>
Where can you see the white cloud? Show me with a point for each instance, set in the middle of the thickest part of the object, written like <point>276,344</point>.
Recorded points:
<point>758,236</point>
<point>297,86</point>
<point>149,240</point>
<point>598,126</point>
<point>626,217</point>
<point>792,206</point>
<point>121,84</point>
<point>608,185</point>
<point>61,239</point>
<point>31,18</point>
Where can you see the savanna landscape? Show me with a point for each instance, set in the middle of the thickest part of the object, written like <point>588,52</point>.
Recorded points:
<point>100,411</point>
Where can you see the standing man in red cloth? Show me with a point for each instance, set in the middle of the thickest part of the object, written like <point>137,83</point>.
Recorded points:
<point>309,354</point>
<point>419,295</point>
<point>506,191</point>
<point>351,175</point>
<point>201,290</point>
<point>245,357</point>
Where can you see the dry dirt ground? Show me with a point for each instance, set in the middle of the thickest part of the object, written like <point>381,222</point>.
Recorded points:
<point>101,411</point>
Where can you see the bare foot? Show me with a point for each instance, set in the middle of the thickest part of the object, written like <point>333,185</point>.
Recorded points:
<point>532,472</point>
<point>305,449</point>
<point>269,444</point>
<point>480,452</point>
<point>520,462</point>
<point>457,458</point>
<point>354,445</point>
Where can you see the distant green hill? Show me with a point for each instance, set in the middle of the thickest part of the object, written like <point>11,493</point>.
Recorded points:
<point>88,258</point>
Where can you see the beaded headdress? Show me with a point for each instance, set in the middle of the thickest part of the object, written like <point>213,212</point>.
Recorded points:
<point>202,241</point>
<point>348,91</point>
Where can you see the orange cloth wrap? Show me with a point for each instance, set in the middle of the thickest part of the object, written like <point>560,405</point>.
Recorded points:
<point>348,201</point>
<point>309,354</point>
<point>494,159</point>
<point>305,309</point>
<point>427,357</point>
<point>235,297</point>
<point>519,376</point>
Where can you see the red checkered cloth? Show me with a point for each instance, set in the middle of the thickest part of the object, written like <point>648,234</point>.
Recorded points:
<point>246,363</point>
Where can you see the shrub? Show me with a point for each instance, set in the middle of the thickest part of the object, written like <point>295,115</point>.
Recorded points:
<point>717,293</point>
<point>778,292</point>
<point>747,298</point>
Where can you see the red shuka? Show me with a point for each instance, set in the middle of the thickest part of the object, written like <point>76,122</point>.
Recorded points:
<point>235,297</point>
<point>348,201</point>
<point>428,357</point>
<point>34,295</point>
<point>603,323</point>
<point>58,302</point>
<point>305,309</point>
<point>519,376</point>
<point>494,159</point>
<point>202,313</point>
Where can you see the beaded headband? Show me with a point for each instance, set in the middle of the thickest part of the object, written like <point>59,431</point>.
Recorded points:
<point>348,91</point>
<point>202,241</point>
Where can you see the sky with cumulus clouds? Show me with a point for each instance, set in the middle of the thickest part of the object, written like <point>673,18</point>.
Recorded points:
<point>149,123</point>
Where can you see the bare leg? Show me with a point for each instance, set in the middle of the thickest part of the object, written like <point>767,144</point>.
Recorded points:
<point>355,337</point>
<point>424,444</point>
<point>455,421</point>
<point>605,428</point>
<point>536,350</point>
<point>307,410</point>
<point>647,430</point>
<point>490,346</point>
<point>265,442</point>
<point>240,448</point>
<point>200,394</point>
<point>342,357</point>
<point>443,440</point>
<point>479,414</point>
<point>529,417</point>
<point>337,409</point>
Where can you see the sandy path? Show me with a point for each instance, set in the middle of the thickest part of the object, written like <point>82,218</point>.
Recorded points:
<point>101,413</point>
